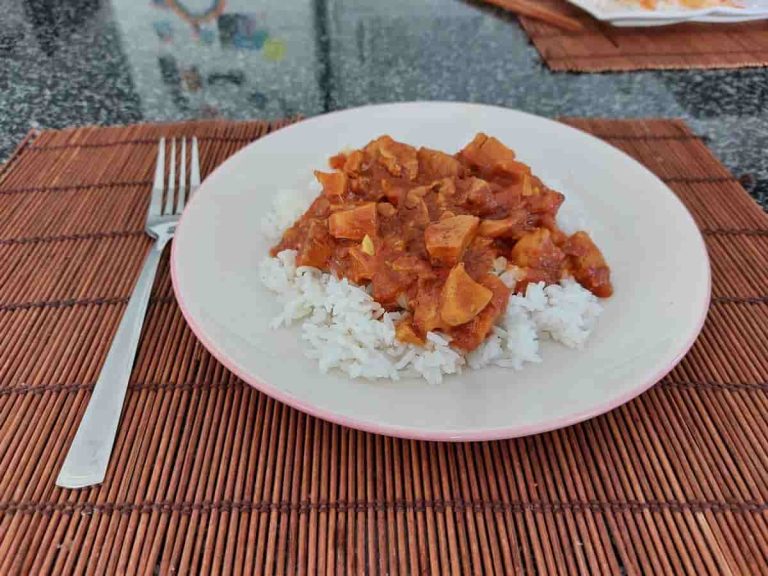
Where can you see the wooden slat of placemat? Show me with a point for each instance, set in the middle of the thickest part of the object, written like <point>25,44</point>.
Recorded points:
<point>210,476</point>
<point>601,47</point>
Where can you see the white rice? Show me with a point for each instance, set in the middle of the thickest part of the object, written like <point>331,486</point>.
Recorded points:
<point>346,329</point>
<point>287,206</point>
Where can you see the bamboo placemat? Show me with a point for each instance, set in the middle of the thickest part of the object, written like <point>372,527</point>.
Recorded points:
<point>210,476</point>
<point>603,48</point>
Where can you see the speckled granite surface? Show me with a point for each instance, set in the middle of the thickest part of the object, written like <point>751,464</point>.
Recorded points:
<point>69,62</point>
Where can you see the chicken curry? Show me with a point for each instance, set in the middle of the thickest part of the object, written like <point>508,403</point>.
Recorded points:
<point>427,230</point>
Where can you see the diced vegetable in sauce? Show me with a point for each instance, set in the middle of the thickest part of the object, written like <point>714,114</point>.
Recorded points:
<point>424,228</point>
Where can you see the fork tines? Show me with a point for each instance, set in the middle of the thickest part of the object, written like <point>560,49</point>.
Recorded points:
<point>169,198</point>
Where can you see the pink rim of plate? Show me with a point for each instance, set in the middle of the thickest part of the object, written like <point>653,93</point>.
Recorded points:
<point>415,433</point>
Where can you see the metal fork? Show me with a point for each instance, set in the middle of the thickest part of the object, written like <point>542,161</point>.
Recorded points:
<point>86,462</point>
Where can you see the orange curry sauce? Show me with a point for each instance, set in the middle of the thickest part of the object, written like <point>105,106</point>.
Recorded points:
<point>424,229</point>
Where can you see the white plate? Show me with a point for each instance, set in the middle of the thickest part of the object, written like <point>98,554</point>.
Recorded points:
<point>619,14</point>
<point>659,262</point>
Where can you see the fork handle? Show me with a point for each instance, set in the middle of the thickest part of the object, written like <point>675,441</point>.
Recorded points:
<point>88,456</point>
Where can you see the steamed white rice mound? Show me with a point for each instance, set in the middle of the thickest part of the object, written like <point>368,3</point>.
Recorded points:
<point>344,328</point>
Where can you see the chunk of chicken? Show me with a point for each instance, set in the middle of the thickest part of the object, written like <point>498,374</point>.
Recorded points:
<point>445,193</point>
<point>316,247</point>
<point>293,236</point>
<point>406,333</point>
<point>536,250</point>
<point>480,197</point>
<point>412,264</point>
<point>588,265</point>
<point>387,284</point>
<point>415,212</point>
<point>445,187</point>
<point>513,226</point>
<point>461,298</point>
<point>399,159</point>
<point>354,162</point>
<point>447,239</point>
<point>470,335</point>
<point>545,202</point>
<point>413,196</point>
<point>393,192</point>
<point>337,161</point>
<point>479,256</point>
<point>360,186</point>
<point>486,151</point>
<point>334,183</point>
<point>349,162</point>
<point>435,164</point>
<point>528,188</point>
<point>539,257</point>
<point>385,209</point>
<point>354,224</point>
<point>489,154</point>
<point>360,265</point>
<point>426,307</point>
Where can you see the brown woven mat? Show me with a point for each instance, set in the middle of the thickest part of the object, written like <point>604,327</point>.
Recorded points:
<point>209,476</point>
<point>602,47</point>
